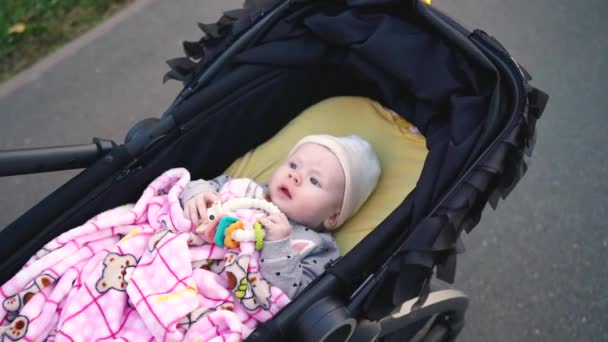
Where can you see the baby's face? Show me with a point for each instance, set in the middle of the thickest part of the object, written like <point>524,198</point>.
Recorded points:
<point>309,187</point>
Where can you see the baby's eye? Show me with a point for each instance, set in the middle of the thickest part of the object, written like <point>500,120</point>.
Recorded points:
<point>293,165</point>
<point>314,181</point>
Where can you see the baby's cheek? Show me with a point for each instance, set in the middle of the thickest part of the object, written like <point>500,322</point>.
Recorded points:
<point>290,213</point>
<point>306,212</point>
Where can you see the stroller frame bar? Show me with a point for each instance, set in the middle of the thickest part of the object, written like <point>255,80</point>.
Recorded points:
<point>56,158</point>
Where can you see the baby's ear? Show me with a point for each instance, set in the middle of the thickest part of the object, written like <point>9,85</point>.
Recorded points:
<point>331,222</point>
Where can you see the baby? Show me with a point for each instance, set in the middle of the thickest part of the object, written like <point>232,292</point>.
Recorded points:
<point>323,182</point>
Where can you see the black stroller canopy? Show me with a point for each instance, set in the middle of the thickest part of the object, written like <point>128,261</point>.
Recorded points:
<point>400,64</point>
<point>396,53</point>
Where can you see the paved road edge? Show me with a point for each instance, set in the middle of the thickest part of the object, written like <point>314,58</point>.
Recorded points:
<point>38,69</point>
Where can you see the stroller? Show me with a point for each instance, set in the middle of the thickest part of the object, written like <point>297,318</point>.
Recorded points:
<point>253,72</point>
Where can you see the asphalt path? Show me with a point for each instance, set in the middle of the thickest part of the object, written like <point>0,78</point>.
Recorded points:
<point>535,269</point>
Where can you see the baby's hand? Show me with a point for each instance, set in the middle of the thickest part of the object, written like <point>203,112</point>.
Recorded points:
<point>196,208</point>
<point>277,227</point>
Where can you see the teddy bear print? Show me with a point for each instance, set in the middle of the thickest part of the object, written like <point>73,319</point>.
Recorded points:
<point>195,240</point>
<point>14,303</point>
<point>199,313</point>
<point>218,266</point>
<point>249,288</point>
<point>261,293</point>
<point>236,274</point>
<point>116,272</point>
<point>193,317</point>
<point>16,330</point>
<point>155,238</point>
<point>225,306</point>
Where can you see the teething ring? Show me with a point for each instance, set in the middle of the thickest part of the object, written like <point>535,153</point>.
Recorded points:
<point>259,236</point>
<point>231,231</point>
<point>249,203</point>
<point>228,241</point>
<point>220,232</point>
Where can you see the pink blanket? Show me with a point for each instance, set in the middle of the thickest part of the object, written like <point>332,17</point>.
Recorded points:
<point>136,273</point>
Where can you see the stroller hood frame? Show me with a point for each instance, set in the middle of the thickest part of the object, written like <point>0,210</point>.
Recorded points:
<point>258,67</point>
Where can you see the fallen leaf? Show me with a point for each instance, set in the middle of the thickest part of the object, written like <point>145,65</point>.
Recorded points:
<point>17,28</point>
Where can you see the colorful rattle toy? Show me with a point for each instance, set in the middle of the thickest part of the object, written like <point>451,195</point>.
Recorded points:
<point>226,230</point>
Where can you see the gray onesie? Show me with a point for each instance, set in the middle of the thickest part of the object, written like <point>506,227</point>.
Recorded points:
<point>291,263</point>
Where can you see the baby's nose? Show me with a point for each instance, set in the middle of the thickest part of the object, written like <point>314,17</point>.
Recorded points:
<point>294,176</point>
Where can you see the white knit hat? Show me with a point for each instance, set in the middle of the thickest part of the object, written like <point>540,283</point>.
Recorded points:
<point>360,164</point>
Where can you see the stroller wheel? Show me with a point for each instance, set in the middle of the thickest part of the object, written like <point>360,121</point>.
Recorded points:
<point>437,333</point>
<point>326,321</point>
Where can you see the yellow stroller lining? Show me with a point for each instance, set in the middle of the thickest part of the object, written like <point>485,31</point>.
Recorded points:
<point>400,148</point>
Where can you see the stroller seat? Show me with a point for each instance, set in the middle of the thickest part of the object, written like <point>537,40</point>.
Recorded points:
<point>400,148</point>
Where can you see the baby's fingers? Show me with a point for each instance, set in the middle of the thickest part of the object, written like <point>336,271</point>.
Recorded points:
<point>187,211</point>
<point>192,212</point>
<point>201,207</point>
<point>266,222</point>
<point>211,198</point>
<point>280,217</point>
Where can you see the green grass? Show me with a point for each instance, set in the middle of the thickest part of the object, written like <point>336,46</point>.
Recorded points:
<point>47,25</point>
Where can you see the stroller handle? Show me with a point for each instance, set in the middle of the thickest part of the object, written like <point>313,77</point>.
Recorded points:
<point>36,160</point>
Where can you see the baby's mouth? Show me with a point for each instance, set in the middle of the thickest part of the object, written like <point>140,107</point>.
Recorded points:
<point>283,189</point>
